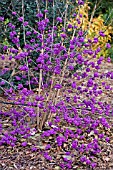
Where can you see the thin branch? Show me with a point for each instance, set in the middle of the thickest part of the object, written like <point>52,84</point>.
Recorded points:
<point>109,16</point>
<point>25,43</point>
<point>38,6</point>
<point>17,104</point>
<point>23,21</point>
<point>11,103</point>
<point>8,83</point>
<point>65,15</point>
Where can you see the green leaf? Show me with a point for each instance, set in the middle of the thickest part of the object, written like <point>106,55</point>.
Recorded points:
<point>5,43</point>
<point>6,21</point>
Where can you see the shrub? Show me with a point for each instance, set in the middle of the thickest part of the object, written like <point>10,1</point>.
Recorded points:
<point>93,25</point>
<point>65,103</point>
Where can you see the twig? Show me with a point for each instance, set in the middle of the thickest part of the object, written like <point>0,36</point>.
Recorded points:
<point>17,104</point>
<point>92,15</point>
<point>8,83</point>
<point>38,6</point>
<point>11,103</point>
<point>23,21</point>
<point>46,115</point>
<point>108,16</point>
<point>25,43</point>
<point>64,68</point>
<point>65,15</point>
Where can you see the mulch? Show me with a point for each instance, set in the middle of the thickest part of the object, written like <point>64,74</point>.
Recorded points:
<point>23,158</point>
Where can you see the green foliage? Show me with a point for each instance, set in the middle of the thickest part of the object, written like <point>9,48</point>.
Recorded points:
<point>103,7</point>
<point>30,11</point>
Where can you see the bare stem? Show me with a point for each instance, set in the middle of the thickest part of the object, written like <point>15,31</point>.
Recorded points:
<point>23,21</point>
<point>39,91</point>
<point>65,15</point>
<point>38,6</point>
<point>25,43</point>
<point>46,114</point>
<point>39,88</point>
<point>64,68</point>
<point>92,15</point>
